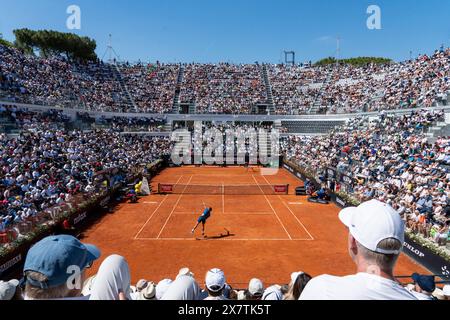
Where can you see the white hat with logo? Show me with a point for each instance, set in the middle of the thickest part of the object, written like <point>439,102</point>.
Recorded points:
<point>215,280</point>
<point>372,222</point>
<point>256,287</point>
<point>8,289</point>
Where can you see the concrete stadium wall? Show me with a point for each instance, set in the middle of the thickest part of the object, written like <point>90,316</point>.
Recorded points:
<point>216,117</point>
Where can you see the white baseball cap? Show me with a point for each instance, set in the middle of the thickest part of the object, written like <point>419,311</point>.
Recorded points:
<point>273,293</point>
<point>372,222</point>
<point>215,280</point>
<point>185,272</point>
<point>446,290</point>
<point>8,289</point>
<point>256,287</point>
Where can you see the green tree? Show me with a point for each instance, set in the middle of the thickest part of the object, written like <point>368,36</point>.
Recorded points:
<point>358,62</point>
<point>5,43</point>
<point>49,42</point>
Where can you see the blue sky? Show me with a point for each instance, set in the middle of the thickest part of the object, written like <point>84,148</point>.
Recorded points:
<point>241,31</point>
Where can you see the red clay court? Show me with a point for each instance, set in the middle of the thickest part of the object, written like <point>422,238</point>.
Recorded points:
<point>270,236</point>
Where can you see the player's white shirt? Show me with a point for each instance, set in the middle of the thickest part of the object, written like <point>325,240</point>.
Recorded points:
<point>362,286</point>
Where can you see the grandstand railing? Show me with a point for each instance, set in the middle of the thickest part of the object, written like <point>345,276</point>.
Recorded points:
<point>221,117</point>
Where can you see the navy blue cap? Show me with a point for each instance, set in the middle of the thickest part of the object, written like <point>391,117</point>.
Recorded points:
<point>426,283</point>
<point>52,256</point>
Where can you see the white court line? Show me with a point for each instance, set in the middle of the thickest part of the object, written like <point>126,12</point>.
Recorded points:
<point>191,239</point>
<point>298,220</point>
<point>227,213</point>
<point>223,197</point>
<point>303,226</point>
<point>148,220</point>
<point>145,224</point>
<point>174,207</point>
<point>219,175</point>
<point>272,208</point>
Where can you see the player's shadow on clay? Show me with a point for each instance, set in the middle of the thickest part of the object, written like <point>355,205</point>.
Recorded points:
<point>227,234</point>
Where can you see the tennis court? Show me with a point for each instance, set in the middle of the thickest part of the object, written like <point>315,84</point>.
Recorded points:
<point>252,232</point>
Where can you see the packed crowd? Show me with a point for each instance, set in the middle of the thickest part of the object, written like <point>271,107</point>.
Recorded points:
<point>374,252</point>
<point>141,124</point>
<point>416,83</point>
<point>47,164</point>
<point>223,88</point>
<point>345,88</point>
<point>55,81</point>
<point>390,160</point>
<point>295,88</point>
<point>152,87</point>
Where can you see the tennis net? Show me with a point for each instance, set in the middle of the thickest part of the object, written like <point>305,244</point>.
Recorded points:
<point>215,189</point>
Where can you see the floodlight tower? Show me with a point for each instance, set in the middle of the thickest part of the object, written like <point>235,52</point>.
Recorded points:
<point>110,51</point>
<point>289,57</point>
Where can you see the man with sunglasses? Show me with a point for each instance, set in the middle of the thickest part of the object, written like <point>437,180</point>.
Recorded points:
<point>55,268</point>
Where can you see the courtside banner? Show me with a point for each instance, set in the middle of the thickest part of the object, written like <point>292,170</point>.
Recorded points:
<point>165,188</point>
<point>424,256</point>
<point>339,201</point>
<point>281,189</point>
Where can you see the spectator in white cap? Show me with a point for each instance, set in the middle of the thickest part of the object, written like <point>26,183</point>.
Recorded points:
<point>215,284</point>
<point>113,280</point>
<point>162,287</point>
<point>185,272</point>
<point>255,290</point>
<point>299,280</point>
<point>273,293</point>
<point>183,288</point>
<point>375,241</point>
<point>9,290</point>
<point>446,292</point>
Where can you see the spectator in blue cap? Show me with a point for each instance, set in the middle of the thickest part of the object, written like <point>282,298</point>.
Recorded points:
<point>55,268</point>
<point>424,286</point>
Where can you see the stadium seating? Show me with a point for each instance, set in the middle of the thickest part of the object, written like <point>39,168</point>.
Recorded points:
<point>225,88</point>
<point>406,171</point>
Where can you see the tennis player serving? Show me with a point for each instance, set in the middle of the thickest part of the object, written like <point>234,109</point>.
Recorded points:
<point>202,219</point>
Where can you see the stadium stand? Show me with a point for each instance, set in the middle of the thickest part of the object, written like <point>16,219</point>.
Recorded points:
<point>389,159</point>
<point>225,88</point>
<point>47,164</point>
<point>48,159</point>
